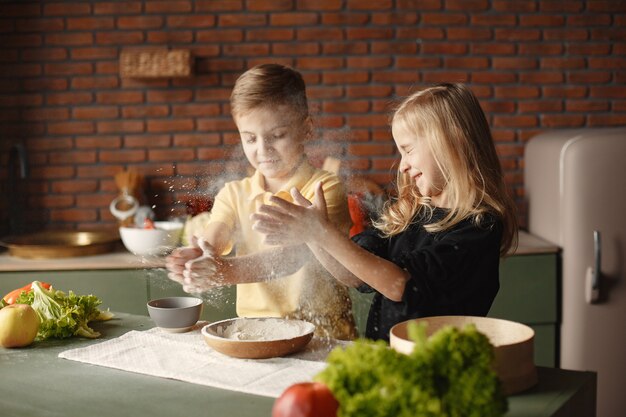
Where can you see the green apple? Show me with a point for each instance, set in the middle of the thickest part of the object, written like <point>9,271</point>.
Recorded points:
<point>18,325</point>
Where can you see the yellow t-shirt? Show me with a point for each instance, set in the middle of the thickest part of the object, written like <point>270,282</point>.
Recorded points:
<point>311,293</point>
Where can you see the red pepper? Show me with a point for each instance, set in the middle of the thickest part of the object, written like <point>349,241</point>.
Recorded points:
<point>148,224</point>
<point>12,296</point>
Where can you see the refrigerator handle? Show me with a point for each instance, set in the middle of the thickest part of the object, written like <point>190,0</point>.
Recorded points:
<point>592,281</point>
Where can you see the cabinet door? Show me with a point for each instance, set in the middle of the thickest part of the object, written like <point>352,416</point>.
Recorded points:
<point>119,290</point>
<point>529,294</point>
<point>528,289</point>
<point>361,303</point>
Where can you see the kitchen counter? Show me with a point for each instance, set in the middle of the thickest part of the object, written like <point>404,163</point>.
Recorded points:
<point>532,245</point>
<point>528,245</point>
<point>37,383</point>
<point>114,260</point>
<point>125,282</point>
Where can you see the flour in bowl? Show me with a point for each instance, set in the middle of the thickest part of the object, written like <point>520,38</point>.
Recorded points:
<point>264,329</point>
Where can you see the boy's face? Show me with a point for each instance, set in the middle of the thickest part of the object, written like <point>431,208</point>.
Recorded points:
<point>419,163</point>
<point>273,141</point>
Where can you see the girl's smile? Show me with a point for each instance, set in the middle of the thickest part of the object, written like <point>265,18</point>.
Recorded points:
<point>419,163</point>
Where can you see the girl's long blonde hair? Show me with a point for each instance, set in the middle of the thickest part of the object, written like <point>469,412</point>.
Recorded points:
<point>450,118</point>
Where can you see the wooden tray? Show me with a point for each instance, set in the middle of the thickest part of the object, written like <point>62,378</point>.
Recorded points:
<point>50,244</point>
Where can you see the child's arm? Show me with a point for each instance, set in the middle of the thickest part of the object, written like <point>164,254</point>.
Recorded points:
<point>200,268</point>
<point>216,236</point>
<point>324,258</point>
<point>358,265</point>
<point>343,258</point>
<point>260,266</point>
<point>353,265</point>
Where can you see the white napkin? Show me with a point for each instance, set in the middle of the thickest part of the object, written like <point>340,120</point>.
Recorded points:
<point>186,357</point>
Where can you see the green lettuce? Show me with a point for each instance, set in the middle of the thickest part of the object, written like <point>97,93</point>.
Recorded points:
<point>63,315</point>
<point>449,374</point>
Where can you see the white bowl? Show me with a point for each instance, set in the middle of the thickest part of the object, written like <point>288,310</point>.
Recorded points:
<point>152,242</point>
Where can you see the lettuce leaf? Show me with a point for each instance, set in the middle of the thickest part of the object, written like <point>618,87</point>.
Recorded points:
<point>63,315</point>
<point>447,375</point>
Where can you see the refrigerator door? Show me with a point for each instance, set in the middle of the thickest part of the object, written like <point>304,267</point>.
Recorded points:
<point>576,185</point>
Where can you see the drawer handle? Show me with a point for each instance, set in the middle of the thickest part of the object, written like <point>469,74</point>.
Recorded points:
<point>592,284</point>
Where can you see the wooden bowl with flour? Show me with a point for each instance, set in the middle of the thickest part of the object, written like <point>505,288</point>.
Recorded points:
<point>258,338</point>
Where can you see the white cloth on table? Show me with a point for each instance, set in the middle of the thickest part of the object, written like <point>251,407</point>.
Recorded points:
<point>186,357</point>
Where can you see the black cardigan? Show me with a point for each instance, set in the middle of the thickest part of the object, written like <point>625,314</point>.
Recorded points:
<point>454,272</point>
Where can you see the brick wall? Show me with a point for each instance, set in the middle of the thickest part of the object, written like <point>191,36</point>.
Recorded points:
<point>535,65</point>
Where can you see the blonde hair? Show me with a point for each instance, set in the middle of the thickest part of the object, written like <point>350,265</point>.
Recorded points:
<point>450,118</point>
<point>269,84</point>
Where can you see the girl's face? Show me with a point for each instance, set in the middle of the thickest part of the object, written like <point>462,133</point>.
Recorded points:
<point>273,141</point>
<point>419,163</point>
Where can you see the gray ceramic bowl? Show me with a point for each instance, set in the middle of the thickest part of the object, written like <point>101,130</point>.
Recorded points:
<point>175,314</point>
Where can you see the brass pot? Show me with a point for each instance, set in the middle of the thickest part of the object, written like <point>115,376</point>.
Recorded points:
<point>50,244</point>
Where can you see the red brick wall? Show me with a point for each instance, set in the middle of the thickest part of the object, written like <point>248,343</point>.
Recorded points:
<point>535,65</point>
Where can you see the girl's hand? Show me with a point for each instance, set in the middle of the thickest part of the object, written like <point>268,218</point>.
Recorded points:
<point>292,224</point>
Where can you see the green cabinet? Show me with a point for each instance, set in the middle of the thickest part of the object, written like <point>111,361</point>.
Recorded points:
<point>529,294</point>
<point>119,290</point>
<point>360,308</point>
<point>125,290</point>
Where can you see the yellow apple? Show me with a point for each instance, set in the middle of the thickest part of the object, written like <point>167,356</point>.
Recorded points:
<point>18,325</point>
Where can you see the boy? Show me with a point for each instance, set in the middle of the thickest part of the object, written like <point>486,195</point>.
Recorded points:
<point>269,107</point>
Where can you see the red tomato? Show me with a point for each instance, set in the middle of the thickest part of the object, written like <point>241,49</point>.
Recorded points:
<point>148,224</point>
<point>306,399</point>
<point>12,296</point>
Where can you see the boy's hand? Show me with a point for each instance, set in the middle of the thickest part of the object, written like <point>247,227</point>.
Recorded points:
<point>175,261</point>
<point>290,224</point>
<point>194,267</point>
<point>204,272</point>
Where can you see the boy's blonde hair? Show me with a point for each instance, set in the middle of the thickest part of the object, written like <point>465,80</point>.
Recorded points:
<point>450,118</point>
<point>269,84</point>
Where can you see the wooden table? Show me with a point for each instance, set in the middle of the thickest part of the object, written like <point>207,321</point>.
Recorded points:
<point>35,382</point>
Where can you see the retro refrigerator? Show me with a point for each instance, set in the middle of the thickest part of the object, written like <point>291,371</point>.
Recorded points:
<point>575,184</point>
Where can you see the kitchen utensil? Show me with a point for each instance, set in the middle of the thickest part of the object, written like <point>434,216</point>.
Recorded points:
<point>50,244</point>
<point>152,242</point>
<point>125,205</point>
<point>175,314</point>
<point>513,346</point>
<point>258,338</point>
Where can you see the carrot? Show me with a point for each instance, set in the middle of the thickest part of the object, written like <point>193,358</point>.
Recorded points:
<point>12,296</point>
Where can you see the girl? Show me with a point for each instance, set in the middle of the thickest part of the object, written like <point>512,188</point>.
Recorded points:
<point>435,250</point>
